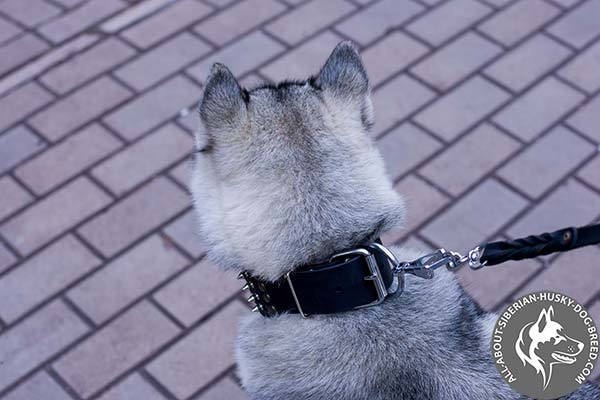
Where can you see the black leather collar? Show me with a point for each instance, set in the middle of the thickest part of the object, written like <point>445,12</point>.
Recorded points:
<point>352,279</point>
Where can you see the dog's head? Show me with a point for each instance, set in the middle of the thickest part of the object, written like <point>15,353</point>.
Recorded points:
<point>544,343</point>
<point>287,173</point>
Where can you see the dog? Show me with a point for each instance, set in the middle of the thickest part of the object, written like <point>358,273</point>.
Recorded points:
<point>286,175</point>
<point>543,344</point>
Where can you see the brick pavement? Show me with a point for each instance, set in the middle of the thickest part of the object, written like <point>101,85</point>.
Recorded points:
<point>488,116</point>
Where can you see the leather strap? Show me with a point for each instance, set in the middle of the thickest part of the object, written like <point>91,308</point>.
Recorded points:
<point>325,288</point>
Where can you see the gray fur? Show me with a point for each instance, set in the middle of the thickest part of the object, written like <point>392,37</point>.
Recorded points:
<point>287,175</point>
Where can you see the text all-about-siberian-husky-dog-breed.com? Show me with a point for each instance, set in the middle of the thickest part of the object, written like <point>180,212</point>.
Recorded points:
<point>285,176</point>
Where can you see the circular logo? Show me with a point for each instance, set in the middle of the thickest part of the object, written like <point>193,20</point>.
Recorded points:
<point>545,345</point>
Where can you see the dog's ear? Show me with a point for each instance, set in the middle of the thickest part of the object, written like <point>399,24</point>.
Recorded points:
<point>223,102</point>
<point>344,73</point>
<point>544,318</point>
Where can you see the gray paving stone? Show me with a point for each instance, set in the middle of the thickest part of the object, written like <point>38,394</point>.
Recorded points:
<point>185,232</point>
<point>67,159</point>
<point>580,26</point>
<point>123,343</point>
<point>17,145</point>
<point>202,355</point>
<point>39,386</point>
<point>197,291</point>
<point>528,62</point>
<point>456,60</point>
<point>376,19</point>
<point>36,339</point>
<point>546,161</point>
<point>60,211</point>
<point>591,172</point>
<point>463,163</point>
<point>404,147</point>
<point>587,119</point>
<point>519,20</point>
<point>44,275</point>
<point>583,69</point>
<point>396,100</point>
<point>126,278</point>
<point>535,111</point>
<point>462,108</point>
<point>307,19</point>
<point>475,217</point>
<point>226,389</point>
<point>21,102</point>
<point>134,216</point>
<point>448,19</point>
<point>133,387</point>
<point>19,51</point>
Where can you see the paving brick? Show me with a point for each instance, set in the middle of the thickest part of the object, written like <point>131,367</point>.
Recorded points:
<point>526,63</point>
<point>396,100</point>
<point>200,356</point>
<point>153,108</point>
<point>8,30</point>
<point>40,386</point>
<point>127,278</point>
<point>22,102</point>
<point>404,147</point>
<point>67,159</point>
<point>132,14</point>
<point>307,19</point>
<point>303,61</point>
<point>44,275</point>
<point>462,108</point>
<point>377,19</point>
<point>397,50</point>
<point>144,159</point>
<point>123,343</point>
<point>538,108</point>
<point>453,62</point>
<point>133,387</point>
<point>157,27</point>
<point>548,215</point>
<point>134,216</point>
<point>182,172</point>
<point>162,61</point>
<point>258,44</point>
<point>519,20</point>
<point>36,339</point>
<point>587,119</point>
<point>19,51</point>
<point>226,389</point>
<point>447,20</point>
<point>583,70</point>
<point>422,201</point>
<point>61,210</point>
<point>46,60</point>
<point>69,3</point>
<point>546,161</point>
<point>7,259</point>
<point>463,163</point>
<point>29,13</point>
<point>87,64</point>
<point>78,108</point>
<point>238,19</point>
<point>580,26</point>
<point>224,3</point>
<point>566,3</point>
<point>79,19</point>
<point>491,285</point>
<point>193,294</point>
<point>565,273</point>
<point>591,172</point>
<point>475,217</point>
<point>16,145</point>
<point>185,232</point>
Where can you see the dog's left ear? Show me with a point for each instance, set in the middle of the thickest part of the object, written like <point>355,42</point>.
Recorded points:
<point>544,318</point>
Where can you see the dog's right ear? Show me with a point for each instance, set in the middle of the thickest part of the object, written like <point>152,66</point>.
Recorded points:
<point>344,73</point>
<point>223,102</point>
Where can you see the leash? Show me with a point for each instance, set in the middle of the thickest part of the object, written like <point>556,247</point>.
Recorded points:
<point>499,252</point>
<point>366,275</point>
